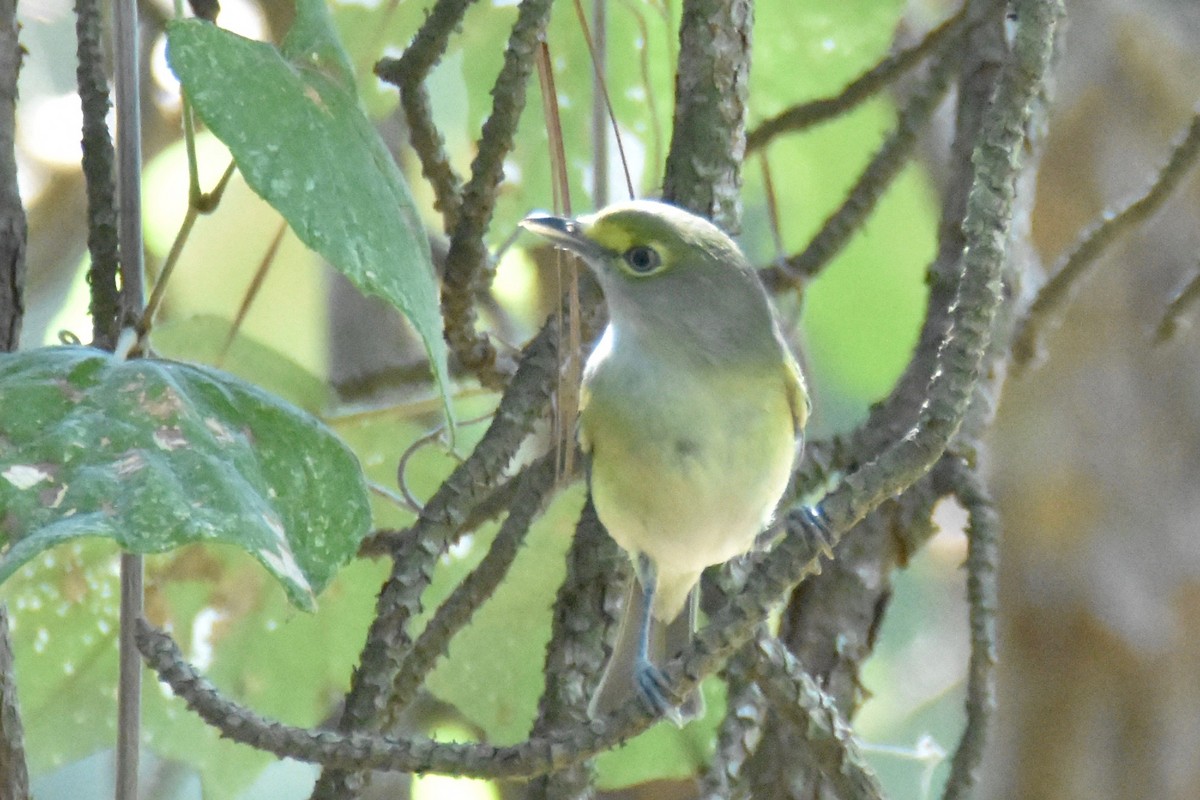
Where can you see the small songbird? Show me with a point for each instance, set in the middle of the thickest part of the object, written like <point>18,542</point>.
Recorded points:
<point>692,414</point>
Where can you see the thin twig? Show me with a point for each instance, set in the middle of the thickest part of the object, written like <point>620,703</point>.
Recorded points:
<point>875,79</point>
<point>408,74</point>
<point>198,204</point>
<point>467,257</point>
<point>982,556</point>
<point>251,293</point>
<point>566,407</point>
<point>1180,304</point>
<point>126,50</point>
<point>601,112</point>
<point>874,180</point>
<point>595,50</point>
<point>656,137</point>
<point>1044,313</point>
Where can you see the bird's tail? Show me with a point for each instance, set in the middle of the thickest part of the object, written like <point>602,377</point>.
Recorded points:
<point>666,641</point>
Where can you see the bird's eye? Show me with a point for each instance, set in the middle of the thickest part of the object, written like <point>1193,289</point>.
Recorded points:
<point>642,259</point>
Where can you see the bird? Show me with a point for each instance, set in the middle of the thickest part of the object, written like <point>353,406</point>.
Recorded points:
<point>692,412</point>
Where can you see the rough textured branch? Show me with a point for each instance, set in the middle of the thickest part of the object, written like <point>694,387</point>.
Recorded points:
<point>465,261</point>
<point>704,163</point>
<point>408,74</point>
<point>99,171</point>
<point>583,612</point>
<point>986,226</point>
<point>12,212</point>
<point>14,774</point>
<point>982,557</point>
<point>815,716</point>
<point>537,483</point>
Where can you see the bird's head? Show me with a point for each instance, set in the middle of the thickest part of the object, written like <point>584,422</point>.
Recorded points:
<point>671,278</point>
<point>641,242</point>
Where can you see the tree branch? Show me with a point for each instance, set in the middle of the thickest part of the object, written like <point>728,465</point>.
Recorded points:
<point>465,261</point>
<point>878,175</point>
<point>99,172</point>
<point>408,74</point>
<point>708,144</point>
<point>12,212</point>
<point>982,557</point>
<point>585,610</point>
<point>878,77</point>
<point>1043,313</point>
<point>14,773</point>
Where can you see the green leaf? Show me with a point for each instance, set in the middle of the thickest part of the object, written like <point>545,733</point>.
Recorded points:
<point>299,136</point>
<point>156,454</point>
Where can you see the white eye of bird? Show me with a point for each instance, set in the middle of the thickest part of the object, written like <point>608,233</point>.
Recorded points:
<point>642,259</point>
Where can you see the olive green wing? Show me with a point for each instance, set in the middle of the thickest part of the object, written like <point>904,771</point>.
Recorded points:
<point>797,393</point>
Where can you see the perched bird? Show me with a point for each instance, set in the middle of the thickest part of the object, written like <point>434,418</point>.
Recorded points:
<point>692,414</point>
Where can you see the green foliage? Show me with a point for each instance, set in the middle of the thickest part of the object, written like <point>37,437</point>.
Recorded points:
<point>155,454</point>
<point>295,128</point>
<point>292,120</point>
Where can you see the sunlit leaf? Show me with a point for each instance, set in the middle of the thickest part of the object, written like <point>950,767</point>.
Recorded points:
<point>299,136</point>
<point>156,454</point>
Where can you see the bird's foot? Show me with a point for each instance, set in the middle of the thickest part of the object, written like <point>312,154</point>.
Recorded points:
<point>816,525</point>
<point>653,690</point>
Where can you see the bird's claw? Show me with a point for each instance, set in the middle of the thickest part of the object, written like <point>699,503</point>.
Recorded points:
<point>816,524</point>
<point>653,690</point>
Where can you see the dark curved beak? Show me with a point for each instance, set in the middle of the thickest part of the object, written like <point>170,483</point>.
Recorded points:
<point>565,233</point>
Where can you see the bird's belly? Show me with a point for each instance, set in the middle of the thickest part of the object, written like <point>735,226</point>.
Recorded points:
<point>690,490</point>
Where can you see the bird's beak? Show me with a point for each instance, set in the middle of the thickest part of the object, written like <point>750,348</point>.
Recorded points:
<point>566,233</point>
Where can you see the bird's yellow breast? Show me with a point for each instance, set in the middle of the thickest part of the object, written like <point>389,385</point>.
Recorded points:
<point>687,466</point>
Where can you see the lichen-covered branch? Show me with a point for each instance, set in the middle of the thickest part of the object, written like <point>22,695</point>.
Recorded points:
<point>1042,314</point>
<point>708,144</point>
<point>878,77</point>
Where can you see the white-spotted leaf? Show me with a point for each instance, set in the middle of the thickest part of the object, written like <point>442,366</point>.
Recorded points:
<point>300,138</point>
<point>158,454</point>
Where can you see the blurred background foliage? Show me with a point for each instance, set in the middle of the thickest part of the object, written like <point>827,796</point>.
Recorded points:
<point>1083,556</point>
